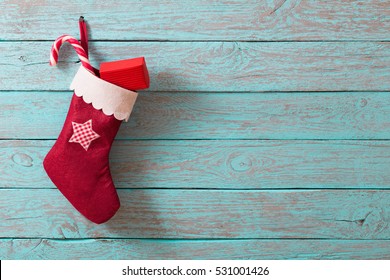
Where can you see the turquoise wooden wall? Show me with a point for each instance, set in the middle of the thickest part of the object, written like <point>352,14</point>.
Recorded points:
<point>264,134</point>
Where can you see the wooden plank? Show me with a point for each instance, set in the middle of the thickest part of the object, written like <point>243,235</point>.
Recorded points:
<point>214,66</point>
<point>154,213</point>
<point>162,115</point>
<point>199,20</point>
<point>218,164</point>
<point>125,249</point>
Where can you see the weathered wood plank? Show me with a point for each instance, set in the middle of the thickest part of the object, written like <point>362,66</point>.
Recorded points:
<point>218,164</point>
<point>214,66</point>
<point>161,115</point>
<point>120,249</point>
<point>347,214</point>
<point>199,20</point>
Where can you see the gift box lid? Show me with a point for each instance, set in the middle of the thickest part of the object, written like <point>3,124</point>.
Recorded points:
<point>122,64</point>
<point>131,73</point>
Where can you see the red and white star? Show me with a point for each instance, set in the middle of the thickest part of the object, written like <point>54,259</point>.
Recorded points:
<point>83,134</point>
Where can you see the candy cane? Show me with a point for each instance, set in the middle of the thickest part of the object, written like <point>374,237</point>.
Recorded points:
<point>77,47</point>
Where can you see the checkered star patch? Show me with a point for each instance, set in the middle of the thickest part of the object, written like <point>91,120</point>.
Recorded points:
<point>83,134</point>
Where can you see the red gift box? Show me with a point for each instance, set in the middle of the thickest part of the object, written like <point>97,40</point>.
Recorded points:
<point>131,73</point>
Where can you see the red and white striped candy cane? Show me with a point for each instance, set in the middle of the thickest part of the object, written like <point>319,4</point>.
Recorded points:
<point>77,47</point>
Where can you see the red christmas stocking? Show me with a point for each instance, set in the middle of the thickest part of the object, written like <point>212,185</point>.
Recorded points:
<point>78,162</point>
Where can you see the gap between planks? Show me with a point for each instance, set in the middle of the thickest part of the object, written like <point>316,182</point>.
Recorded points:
<point>210,41</point>
<point>184,239</point>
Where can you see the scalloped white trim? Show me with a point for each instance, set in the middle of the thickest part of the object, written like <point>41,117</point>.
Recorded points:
<point>110,98</point>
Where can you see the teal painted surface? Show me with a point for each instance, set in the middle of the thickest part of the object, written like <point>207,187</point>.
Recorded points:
<point>214,66</point>
<point>196,249</point>
<point>261,109</point>
<point>216,164</point>
<point>235,20</point>
<point>199,115</point>
<point>210,214</point>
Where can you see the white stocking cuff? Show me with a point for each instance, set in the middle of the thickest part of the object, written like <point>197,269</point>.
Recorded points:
<point>110,98</point>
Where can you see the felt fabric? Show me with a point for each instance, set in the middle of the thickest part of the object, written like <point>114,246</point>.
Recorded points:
<point>83,134</point>
<point>83,175</point>
<point>110,98</point>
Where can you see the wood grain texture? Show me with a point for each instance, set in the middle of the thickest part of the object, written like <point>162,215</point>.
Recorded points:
<point>199,20</point>
<point>122,249</point>
<point>209,166</point>
<point>218,164</point>
<point>346,214</point>
<point>213,66</point>
<point>163,115</point>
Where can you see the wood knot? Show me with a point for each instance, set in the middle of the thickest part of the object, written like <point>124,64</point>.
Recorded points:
<point>363,102</point>
<point>241,163</point>
<point>22,159</point>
